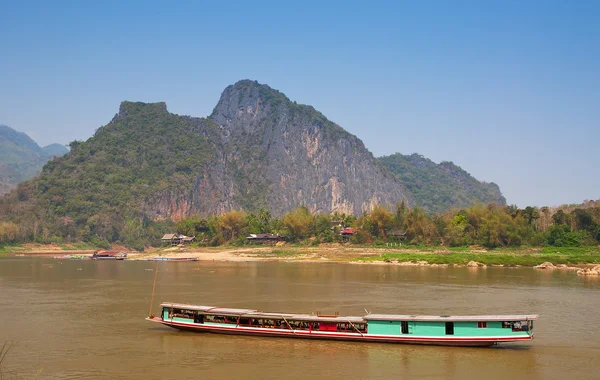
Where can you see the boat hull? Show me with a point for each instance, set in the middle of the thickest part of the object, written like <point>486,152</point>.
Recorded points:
<point>325,335</point>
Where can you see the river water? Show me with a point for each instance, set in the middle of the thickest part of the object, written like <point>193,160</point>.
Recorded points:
<point>85,320</point>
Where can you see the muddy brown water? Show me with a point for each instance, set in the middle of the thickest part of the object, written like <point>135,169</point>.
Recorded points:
<point>85,320</point>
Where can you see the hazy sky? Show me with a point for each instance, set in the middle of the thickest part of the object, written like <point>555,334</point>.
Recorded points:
<point>510,91</point>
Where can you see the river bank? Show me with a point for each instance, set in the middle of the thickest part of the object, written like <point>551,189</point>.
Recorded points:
<point>560,258</point>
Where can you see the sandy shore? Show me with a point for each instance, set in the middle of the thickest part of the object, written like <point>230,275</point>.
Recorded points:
<point>262,254</point>
<point>331,253</point>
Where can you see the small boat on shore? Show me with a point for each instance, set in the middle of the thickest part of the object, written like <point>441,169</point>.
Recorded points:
<point>73,257</point>
<point>107,255</point>
<point>174,259</point>
<point>478,330</point>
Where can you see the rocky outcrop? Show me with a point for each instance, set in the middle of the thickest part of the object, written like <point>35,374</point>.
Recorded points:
<point>277,154</point>
<point>550,266</point>
<point>545,265</point>
<point>475,264</point>
<point>590,271</point>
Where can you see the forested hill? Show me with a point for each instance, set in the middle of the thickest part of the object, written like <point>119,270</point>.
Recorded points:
<point>257,150</point>
<point>21,158</point>
<point>438,188</point>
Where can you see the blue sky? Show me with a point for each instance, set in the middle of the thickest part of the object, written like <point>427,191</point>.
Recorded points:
<point>508,90</point>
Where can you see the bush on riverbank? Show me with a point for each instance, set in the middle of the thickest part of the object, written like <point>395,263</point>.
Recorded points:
<point>505,259</point>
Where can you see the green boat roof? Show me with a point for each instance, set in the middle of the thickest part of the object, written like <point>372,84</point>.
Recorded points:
<point>450,318</point>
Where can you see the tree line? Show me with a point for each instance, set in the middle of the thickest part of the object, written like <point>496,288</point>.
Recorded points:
<point>488,225</point>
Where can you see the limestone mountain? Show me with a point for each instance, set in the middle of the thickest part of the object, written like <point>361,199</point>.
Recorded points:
<point>438,187</point>
<point>271,152</point>
<point>257,149</point>
<point>22,158</point>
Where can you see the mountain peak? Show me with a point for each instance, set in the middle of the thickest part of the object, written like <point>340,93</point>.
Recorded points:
<point>18,139</point>
<point>128,108</point>
<point>244,95</point>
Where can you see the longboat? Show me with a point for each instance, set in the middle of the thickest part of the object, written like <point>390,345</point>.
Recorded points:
<point>477,330</point>
<point>107,255</point>
<point>174,259</point>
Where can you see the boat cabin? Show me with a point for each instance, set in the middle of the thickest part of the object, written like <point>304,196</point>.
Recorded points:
<point>472,326</point>
<point>224,317</point>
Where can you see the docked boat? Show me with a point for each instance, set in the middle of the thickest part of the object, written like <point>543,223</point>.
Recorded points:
<point>478,330</point>
<point>73,257</point>
<point>107,255</point>
<point>174,259</point>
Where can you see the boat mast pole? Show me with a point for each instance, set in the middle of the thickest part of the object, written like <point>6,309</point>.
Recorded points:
<point>153,287</point>
<point>355,328</point>
<point>293,331</point>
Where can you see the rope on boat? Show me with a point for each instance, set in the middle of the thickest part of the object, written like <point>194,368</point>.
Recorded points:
<point>153,287</point>
<point>355,328</point>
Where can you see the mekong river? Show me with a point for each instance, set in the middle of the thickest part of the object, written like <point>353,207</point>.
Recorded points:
<point>85,320</point>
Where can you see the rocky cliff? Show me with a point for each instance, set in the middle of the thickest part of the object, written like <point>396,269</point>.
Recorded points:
<point>271,152</point>
<point>256,150</point>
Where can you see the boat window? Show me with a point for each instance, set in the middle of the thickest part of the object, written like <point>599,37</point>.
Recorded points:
<point>404,327</point>
<point>182,313</point>
<point>482,325</point>
<point>449,328</point>
<point>516,325</point>
<point>352,327</point>
<point>220,319</point>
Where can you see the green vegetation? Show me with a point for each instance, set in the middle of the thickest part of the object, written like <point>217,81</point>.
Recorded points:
<point>507,230</point>
<point>98,191</point>
<point>277,253</point>
<point>438,188</point>
<point>506,259</point>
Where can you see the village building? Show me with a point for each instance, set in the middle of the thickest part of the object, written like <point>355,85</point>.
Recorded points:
<point>176,239</point>
<point>347,232</point>
<point>264,238</point>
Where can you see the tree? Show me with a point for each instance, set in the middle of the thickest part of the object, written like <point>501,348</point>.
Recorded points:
<point>8,231</point>
<point>401,211</point>
<point>544,220</point>
<point>562,236</point>
<point>323,230</point>
<point>583,219</point>
<point>232,223</point>
<point>419,227</point>
<point>493,230</point>
<point>560,217</point>
<point>456,231</point>
<point>382,219</point>
<point>531,214</point>
<point>298,223</point>
<point>259,222</point>
<point>192,226</point>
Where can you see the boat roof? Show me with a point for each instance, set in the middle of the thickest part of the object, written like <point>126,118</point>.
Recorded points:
<point>317,318</point>
<point>259,314</point>
<point>250,313</point>
<point>453,318</point>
